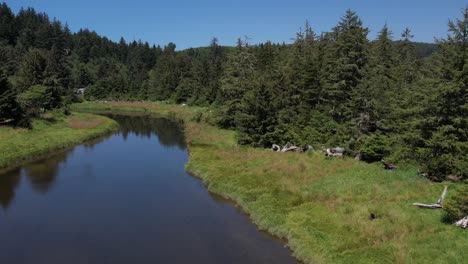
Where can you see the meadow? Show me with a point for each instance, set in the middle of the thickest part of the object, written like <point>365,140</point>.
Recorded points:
<point>329,210</point>
<point>53,131</point>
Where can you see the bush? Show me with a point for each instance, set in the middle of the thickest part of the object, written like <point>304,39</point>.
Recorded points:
<point>66,111</point>
<point>24,122</point>
<point>197,117</point>
<point>457,206</point>
<point>375,148</point>
<point>445,154</point>
<point>33,100</point>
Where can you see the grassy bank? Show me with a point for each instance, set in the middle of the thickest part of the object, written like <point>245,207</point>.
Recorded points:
<point>322,206</point>
<point>53,132</point>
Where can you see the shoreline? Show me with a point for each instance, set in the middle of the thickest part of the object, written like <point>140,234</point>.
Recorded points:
<point>56,138</point>
<point>319,206</point>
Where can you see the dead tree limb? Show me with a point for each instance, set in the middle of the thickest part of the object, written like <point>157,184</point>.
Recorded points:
<point>442,196</point>
<point>463,223</point>
<point>436,205</point>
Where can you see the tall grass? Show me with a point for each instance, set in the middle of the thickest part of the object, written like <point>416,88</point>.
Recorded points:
<point>53,132</point>
<point>330,210</point>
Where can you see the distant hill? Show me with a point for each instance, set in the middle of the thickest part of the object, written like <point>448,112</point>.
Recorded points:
<point>423,49</point>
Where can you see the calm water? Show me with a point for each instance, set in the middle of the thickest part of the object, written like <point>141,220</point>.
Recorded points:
<point>124,199</point>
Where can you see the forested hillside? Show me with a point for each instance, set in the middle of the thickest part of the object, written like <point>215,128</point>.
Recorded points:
<point>386,98</point>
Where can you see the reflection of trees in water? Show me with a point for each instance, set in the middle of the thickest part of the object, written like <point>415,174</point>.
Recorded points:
<point>89,145</point>
<point>8,183</point>
<point>169,132</point>
<point>42,173</point>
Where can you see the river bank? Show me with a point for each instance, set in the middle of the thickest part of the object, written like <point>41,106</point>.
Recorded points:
<point>49,134</point>
<point>329,210</point>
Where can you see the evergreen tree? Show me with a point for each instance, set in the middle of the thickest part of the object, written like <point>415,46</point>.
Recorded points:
<point>7,25</point>
<point>372,99</point>
<point>445,127</point>
<point>9,107</point>
<point>31,70</point>
<point>234,84</point>
<point>379,98</point>
<point>348,60</point>
<point>256,119</point>
<point>163,79</point>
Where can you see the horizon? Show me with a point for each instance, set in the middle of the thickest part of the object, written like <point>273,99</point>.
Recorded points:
<point>277,23</point>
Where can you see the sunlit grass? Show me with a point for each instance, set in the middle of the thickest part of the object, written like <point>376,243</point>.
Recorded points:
<point>54,131</point>
<point>323,206</point>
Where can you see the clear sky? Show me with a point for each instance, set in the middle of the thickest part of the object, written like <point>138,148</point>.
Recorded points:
<point>194,23</point>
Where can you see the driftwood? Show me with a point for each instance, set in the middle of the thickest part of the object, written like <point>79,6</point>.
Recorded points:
<point>463,223</point>
<point>388,166</point>
<point>334,152</point>
<point>436,205</point>
<point>422,174</point>
<point>287,148</point>
<point>357,156</point>
<point>276,148</point>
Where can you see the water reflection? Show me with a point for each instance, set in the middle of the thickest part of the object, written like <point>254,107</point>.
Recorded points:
<point>8,183</point>
<point>124,201</point>
<point>168,132</point>
<point>42,173</point>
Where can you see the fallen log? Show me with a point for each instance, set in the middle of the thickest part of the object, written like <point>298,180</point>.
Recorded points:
<point>388,166</point>
<point>334,152</point>
<point>430,206</point>
<point>286,148</point>
<point>436,205</point>
<point>291,148</point>
<point>463,223</point>
<point>276,148</point>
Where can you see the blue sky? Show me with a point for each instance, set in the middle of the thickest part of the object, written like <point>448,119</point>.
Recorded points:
<point>194,23</point>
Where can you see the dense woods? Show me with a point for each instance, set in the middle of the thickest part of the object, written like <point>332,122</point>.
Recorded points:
<point>385,98</point>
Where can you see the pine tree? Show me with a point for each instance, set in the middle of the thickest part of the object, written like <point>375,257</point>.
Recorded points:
<point>163,78</point>
<point>256,119</point>
<point>372,98</point>
<point>408,67</point>
<point>348,62</point>
<point>8,28</point>
<point>9,107</point>
<point>32,69</point>
<point>235,82</point>
<point>445,127</point>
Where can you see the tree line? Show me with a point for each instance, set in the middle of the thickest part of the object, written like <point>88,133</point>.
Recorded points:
<point>387,98</point>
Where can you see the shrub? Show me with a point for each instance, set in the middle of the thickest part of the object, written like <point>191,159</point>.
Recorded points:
<point>24,122</point>
<point>197,117</point>
<point>66,111</point>
<point>457,206</point>
<point>33,100</point>
<point>375,148</point>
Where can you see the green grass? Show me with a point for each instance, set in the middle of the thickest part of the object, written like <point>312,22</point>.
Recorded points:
<point>322,206</point>
<point>53,132</point>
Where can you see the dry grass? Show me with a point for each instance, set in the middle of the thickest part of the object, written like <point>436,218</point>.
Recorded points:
<point>147,105</point>
<point>76,123</point>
